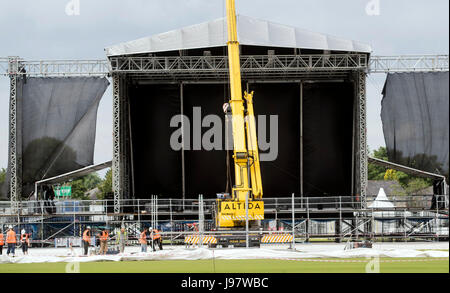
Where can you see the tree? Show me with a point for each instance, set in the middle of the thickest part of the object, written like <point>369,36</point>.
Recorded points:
<point>91,181</point>
<point>2,180</point>
<point>390,174</point>
<point>410,184</point>
<point>376,172</point>
<point>394,175</point>
<point>2,175</point>
<point>415,185</point>
<point>82,185</point>
<point>106,186</point>
<point>78,189</point>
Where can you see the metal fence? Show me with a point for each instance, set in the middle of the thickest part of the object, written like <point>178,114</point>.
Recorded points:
<point>305,218</point>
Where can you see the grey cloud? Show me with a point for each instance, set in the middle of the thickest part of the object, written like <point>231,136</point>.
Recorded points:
<point>42,30</point>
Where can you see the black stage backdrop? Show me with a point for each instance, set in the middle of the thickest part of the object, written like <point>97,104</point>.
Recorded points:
<point>327,138</point>
<point>205,170</point>
<point>157,168</point>
<point>327,124</point>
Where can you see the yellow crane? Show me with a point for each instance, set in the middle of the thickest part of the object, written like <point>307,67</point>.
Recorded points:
<point>233,212</point>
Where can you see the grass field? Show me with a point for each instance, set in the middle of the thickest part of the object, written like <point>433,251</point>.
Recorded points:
<point>235,266</point>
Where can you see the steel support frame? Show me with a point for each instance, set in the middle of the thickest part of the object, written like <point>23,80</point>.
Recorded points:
<point>121,159</point>
<point>216,67</point>
<point>205,67</point>
<point>116,162</point>
<point>15,177</point>
<point>124,141</point>
<point>60,68</point>
<point>408,63</point>
<point>168,65</point>
<point>362,175</point>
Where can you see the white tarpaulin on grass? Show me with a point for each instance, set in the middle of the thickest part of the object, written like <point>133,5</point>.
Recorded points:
<point>60,255</point>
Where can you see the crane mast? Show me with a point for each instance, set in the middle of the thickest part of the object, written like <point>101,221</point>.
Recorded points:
<point>245,144</point>
<point>237,108</point>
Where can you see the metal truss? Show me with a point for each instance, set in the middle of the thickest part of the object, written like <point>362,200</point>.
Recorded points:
<point>408,63</point>
<point>14,183</point>
<point>124,142</point>
<point>116,166</point>
<point>216,67</point>
<point>363,149</point>
<point>57,68</point>
<point>6,67</point>
<point>188,65</point>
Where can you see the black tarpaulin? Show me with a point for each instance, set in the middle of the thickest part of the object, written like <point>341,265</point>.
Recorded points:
<point>56,125</point>
<point>415,115</point>
<point>157,168</point>
<point>206,170</point>
<point>327,138</point>
<point>280,177</point>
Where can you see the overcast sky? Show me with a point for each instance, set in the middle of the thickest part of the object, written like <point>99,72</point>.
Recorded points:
<point>41,29</point>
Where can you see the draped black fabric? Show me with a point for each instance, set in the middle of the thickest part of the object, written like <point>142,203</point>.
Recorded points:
<point>205,170</point>
<point>56,125</point>
<point>415,115</point>
<point>327,138</point>
<point>280,177</point>
<point>157,168</point>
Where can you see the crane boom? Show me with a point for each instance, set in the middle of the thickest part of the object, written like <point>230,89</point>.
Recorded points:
<point>237,108</point>
<point>248,186</point>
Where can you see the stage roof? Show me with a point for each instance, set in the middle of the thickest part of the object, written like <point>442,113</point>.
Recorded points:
<point>251,32</point>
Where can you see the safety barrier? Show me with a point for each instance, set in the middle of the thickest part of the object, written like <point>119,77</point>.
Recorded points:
<point>196,239</point>
<point>242,218</point>
<point>67,241</point>
<point>282,238</point>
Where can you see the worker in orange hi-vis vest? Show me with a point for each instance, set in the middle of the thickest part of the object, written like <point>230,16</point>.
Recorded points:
<point>2,241</point>
<point>143,240</point>
<point>86,239</point>
<point>25,241</point>
<point>104,241</point>
<point>11,241</point>
<point>157,239</point>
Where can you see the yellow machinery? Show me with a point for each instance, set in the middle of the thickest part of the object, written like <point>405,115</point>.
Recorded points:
<point>232,212</point>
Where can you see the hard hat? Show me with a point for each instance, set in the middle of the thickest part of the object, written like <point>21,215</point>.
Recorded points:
<point>23,231</point>
<point>88,227</point>
<point>10,227</point>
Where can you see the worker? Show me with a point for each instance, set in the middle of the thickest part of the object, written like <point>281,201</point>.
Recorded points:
<point>11,241</point>
<point>86,239</point>
<point>157,239</point>
<point>71,250</point>
<point>122,239</point>
<point>24,241</point>
<point>2,242</point>
<point>97,241</point>
<point>49,196</point>
<point>104,241</point>
<point>143,240</point>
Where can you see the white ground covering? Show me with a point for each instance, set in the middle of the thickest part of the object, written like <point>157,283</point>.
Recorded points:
<point>302,251</point>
